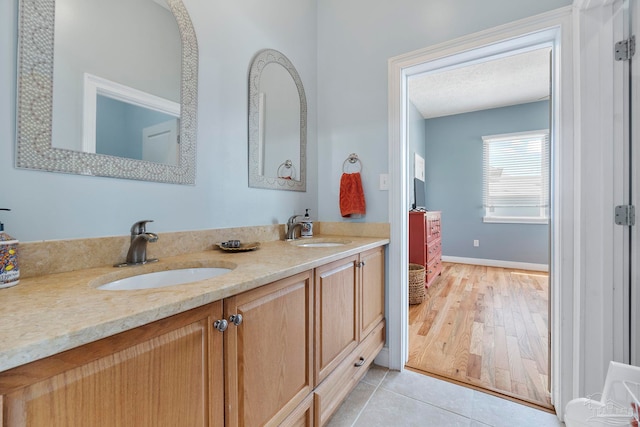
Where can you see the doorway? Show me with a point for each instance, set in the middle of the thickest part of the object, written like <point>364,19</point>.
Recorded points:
<point>483,128</point>
<point>485,328</point>
<point>549,28</point>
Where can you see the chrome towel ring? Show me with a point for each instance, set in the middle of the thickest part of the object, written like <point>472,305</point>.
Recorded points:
<point>352,160</point>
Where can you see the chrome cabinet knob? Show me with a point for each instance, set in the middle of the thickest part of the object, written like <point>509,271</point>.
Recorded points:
<point>221,325</point>
<point>236,319</point>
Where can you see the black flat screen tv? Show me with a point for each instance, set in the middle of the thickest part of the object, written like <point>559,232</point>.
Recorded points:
<point>419,194</point>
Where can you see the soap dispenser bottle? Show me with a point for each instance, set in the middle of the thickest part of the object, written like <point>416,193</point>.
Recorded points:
<point>307,225</point>
<point>9,271</point>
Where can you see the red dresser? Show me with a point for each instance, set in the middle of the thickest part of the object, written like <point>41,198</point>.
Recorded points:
<point>425,243</point>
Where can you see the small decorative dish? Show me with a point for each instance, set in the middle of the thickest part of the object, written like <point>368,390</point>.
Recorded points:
<point>244,247</point>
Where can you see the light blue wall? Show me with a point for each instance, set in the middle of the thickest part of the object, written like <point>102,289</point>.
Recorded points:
<point>416,134</point>
<point>56,206</point>
<point>454,184</point>
<point>111,135</point>
<point>340,49</point>
<point>119,127</point>
<point>356,38</point>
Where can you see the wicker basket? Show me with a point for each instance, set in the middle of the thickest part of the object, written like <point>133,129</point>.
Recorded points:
<point>416,284</point>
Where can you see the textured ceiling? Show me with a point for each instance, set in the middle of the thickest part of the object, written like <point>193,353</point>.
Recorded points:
<point>511,80</point>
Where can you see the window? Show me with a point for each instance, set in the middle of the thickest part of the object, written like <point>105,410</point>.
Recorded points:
<point>516,177</point>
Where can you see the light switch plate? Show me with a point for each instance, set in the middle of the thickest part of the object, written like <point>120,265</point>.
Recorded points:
<point>384,181</point>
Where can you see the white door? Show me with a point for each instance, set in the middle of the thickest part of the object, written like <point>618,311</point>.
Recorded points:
<point>160,143</point>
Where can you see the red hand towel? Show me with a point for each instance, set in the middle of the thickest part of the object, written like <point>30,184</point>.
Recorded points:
<point>351,195</point>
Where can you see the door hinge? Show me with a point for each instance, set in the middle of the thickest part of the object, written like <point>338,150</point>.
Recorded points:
<point>626,215</point>
<point>625,49</point>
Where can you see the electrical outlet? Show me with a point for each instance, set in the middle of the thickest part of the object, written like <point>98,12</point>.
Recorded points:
<point>476,243</point>
<point>384,181</point>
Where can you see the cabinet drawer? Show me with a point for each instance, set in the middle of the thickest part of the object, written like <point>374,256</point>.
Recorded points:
<point>432,226</point>
<point>433,270</point>
<point>434,250</point>
<point>331,392</point>
<point>302,416</point>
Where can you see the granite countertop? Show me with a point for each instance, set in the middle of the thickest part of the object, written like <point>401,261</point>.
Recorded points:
<point>45,315</point>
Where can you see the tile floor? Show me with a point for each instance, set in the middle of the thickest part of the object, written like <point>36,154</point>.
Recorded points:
<point>390,398</point>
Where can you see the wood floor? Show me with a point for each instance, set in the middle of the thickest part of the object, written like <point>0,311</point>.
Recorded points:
<point>486,327</point>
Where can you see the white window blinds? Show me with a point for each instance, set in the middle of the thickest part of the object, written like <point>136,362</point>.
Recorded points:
<point>516,174</point>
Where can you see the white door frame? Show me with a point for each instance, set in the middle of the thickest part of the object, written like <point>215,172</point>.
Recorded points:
<point>600,277</point>
<point>95,85</point>
<point>634,315</point>
<point>555,28</point>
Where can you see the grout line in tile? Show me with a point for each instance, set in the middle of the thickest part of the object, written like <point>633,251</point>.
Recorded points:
<point>380,385</point>
<point>370,397</point>
<point>416,400</point>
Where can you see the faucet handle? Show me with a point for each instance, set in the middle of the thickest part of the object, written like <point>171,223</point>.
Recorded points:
<point>139,227</point>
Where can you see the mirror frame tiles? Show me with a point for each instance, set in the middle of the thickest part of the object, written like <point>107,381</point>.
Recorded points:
<point>34,148</point>
<point>256,179</point>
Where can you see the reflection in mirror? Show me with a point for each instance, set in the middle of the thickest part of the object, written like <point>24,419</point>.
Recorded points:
<point>124,99</point>
<point>277,124</point>
<point>126,122</point>
<point>126,130</point>
<point>279,136</point>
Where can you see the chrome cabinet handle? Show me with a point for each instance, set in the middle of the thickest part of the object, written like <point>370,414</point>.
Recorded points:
<point>360,264</point>
<point>221,325</point>
<point>236,319</point>
<point>359,363</point>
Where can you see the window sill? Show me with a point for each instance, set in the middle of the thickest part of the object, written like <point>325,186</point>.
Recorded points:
<point>515,220</point>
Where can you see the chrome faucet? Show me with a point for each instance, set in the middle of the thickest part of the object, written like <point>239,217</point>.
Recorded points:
<point>137,254</point>
<point>292,225</point>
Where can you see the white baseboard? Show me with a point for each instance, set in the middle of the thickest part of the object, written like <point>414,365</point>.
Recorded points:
<point>382,359</point>
<point>497,263</point>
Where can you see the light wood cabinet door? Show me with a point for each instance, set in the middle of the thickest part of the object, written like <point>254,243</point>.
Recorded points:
<point>371,290</point>
<point>349,326</point>
<point>336,314</point>
<point>269,356</point>
<point>154,375</point>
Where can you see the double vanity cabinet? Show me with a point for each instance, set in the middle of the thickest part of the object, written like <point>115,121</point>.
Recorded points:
<point>285,353</point>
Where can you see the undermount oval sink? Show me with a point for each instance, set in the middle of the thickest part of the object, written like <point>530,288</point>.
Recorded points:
<point>320,243</point>
<point>161,279</point>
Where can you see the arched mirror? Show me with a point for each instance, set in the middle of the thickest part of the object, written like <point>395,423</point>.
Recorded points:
<point>277,124</point>
<point>107,88</point>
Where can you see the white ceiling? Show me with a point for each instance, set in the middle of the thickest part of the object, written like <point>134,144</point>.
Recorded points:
<point>511,80</point>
